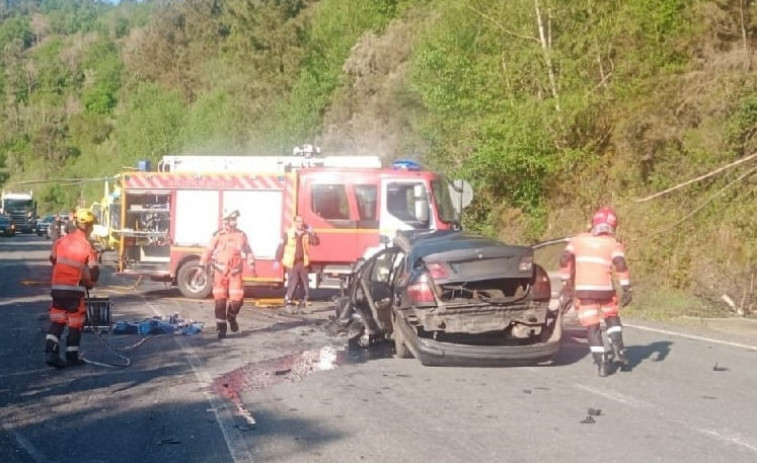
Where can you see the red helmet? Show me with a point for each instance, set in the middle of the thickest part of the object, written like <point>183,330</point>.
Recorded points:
<point>604,221</point>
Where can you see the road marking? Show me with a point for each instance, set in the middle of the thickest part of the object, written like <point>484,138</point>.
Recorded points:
<point>738,440</point>
<point>692,336</point>
<point>20,300</point>
<point>634,403</point>
<point>616,396</point>
<point>234,440</point>
<point>30,449</point>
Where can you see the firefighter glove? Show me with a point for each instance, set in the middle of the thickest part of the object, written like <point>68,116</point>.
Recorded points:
<point>626,298</point>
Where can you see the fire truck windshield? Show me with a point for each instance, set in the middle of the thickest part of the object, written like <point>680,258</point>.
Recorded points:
<point>443,201</point>
<point>408,202</point>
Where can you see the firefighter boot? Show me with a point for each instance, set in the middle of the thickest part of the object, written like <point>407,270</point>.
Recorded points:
<point>52,355</point>
<point>619,354</point>
<point>234,308</point>
<point>603,364</point>
<point>73,359</point>
<point>221,329</point>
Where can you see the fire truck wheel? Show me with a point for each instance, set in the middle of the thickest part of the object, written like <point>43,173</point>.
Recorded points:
<point>194,281</point>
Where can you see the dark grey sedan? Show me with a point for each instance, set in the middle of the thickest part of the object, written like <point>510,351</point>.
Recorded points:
<point>452,298</point>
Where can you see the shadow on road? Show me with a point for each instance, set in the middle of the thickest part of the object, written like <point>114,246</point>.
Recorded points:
<point>655,352</point>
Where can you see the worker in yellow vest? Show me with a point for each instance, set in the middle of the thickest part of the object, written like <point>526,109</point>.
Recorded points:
<point>294,253</point>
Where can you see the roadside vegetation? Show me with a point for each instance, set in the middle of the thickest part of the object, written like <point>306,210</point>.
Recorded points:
<point>549,108</point>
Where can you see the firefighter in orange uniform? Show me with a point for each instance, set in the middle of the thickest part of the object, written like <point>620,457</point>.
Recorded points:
<point>75,270</point>
<point>227,251</point>
<point>586,267</point>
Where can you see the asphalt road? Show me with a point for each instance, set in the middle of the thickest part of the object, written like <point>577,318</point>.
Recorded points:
<point>283,390</point>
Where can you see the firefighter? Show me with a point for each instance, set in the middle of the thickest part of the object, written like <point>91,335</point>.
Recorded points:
<point>294,253</point>
<point>586,267</point>
<point>75,271</point>
<point>226,252</point>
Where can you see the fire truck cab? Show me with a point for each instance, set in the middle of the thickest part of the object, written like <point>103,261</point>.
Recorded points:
<point>352,203</point>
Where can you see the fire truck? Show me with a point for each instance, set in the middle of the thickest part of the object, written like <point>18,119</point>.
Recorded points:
<point>353,204</point>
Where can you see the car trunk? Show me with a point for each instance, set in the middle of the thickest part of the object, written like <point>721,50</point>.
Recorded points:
<point>483,296</point>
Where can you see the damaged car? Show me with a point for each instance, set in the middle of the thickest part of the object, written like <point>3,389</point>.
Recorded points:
<point>453,298</point>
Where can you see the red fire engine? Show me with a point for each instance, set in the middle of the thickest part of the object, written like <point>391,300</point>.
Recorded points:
<point>170,214</point>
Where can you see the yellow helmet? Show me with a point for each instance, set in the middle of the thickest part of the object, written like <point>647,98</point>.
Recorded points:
<point>85,217</point>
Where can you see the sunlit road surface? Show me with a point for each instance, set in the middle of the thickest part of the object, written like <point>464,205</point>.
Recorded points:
<point>283,390</point>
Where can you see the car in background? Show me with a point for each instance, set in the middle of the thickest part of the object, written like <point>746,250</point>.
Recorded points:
<point>42,226</point>
<point>7,227</point>
<point>453,298</point>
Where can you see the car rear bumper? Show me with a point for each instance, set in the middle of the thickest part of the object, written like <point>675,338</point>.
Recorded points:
<point>435,353</point>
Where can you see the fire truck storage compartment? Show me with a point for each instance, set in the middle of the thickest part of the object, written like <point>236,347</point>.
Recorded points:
<point>147,227</point>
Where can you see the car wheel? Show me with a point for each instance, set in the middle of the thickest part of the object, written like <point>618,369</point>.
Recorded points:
<point>194,280</point>
<point>400,347</point>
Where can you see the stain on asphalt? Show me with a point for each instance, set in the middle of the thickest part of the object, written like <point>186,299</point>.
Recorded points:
<point>287,369</point>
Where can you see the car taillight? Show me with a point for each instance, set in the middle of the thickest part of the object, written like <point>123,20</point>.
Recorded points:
<point>437,270</point>
<point>542,287</point>
<point>420,291</point>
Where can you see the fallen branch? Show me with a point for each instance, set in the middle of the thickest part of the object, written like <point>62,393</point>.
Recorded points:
<point>702,177</point>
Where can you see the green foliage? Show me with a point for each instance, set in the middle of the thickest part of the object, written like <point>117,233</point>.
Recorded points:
<point>151,124</point>
<point>15,30</point>
<point>73,16</point>
<point>103,63</point>
<point>213,124</point>
<point>335,28</point>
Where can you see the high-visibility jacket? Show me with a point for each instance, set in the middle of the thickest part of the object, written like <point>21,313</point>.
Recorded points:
<point>589,260</point>
<point>75,265</point>
<point>290,248</point>
<point>227,250</point>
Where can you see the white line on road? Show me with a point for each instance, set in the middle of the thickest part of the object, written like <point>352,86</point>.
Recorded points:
<point>616,396</point>
<point>19,300</point>
<point>723,436</point>
<point>691,336</point>
<point>234,441</point>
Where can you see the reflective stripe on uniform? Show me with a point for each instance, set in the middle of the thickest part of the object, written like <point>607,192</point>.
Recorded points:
<point>220,320</point>
<point>594,287</point>
<point>586,313</point>
<point>70,263</point>
<point>597,349</point>
<point>72,348</point>
<point>53,338</point>
<point>593,260</point>
<point>614,329</point>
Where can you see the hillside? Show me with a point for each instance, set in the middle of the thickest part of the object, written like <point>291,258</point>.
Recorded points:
<point>548,107</point>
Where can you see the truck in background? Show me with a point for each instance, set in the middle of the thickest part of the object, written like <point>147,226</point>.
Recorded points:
<point>21,208</point>
<point>168,216</point>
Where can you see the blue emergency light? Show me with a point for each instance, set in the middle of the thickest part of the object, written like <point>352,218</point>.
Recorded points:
<point>405,164</point>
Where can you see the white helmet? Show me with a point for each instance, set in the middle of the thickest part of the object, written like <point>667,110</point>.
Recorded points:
<point>230,214</point>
